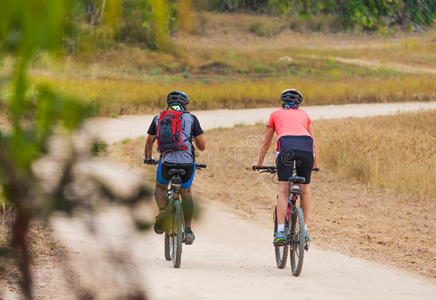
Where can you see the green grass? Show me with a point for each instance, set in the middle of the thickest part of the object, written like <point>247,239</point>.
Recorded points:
<point>99,148</point>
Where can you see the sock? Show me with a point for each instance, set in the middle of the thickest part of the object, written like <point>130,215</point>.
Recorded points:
<point>280,227</point>
<point>305,227</point>
<point>188,229</point>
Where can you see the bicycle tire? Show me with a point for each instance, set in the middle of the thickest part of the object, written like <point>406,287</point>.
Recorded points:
<point>281,252</point>
<point>298,241</point>
<point>167,249</point>
<point>177,236</point>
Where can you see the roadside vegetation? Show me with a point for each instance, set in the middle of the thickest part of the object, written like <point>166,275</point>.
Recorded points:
<point>230,67</point>
<point>112,96</point>
<point>393,152</point>
<point>231,60</point>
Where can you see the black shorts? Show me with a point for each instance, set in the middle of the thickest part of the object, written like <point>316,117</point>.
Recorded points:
<point>187,179</point>
<point>285,164</point>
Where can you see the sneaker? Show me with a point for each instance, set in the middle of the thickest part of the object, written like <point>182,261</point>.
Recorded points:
<point>307,241</point>
<point>189,236</point>
<point>158,224</point>
<point>279,238</point>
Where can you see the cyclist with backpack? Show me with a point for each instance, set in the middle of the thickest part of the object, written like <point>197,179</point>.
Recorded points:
<point>295,141</point>
<point>175,131</point>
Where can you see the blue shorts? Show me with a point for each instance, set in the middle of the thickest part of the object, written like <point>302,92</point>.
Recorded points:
<point>163,178</point>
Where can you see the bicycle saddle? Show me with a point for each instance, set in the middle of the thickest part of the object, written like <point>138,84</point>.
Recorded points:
<point>179,172</point>
<point>297,179</point>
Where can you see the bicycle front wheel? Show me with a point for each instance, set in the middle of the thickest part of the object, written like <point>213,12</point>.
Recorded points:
<point>297,241</point>
<point>281,252</point>
<point>177,236</point>
<point>167,246</point>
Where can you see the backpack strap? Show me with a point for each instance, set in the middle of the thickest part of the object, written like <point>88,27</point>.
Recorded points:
<point>156,120</point>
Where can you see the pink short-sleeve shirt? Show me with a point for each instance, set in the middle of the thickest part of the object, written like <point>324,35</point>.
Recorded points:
<point>289,122</point>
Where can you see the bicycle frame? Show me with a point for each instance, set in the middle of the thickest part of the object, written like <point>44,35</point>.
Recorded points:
<point>295,193</point>
<point>296,240</point>
<point>174,234</point>
<point>174,204</point>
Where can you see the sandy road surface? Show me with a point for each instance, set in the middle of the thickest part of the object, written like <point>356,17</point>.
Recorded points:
<point>232,257</point>
<point>114,130</point>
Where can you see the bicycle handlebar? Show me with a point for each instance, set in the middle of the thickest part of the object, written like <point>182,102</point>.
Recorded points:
<point>151,162</point>
<point>156,162</point>
<point>273,169</point>
<point>267,169</point>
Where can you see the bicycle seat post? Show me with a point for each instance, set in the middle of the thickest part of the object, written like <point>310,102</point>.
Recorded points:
<point>176,184</point>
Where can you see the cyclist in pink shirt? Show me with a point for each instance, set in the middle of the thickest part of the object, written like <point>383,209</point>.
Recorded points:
<point>295,141</point>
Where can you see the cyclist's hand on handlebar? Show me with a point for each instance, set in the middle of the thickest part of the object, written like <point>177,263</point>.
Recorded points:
<point>256,166</point>
<point>151,161</point>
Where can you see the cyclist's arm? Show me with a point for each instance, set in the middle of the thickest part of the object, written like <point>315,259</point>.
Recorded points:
<point>148,150</point>
<point>315,151</point>
<point>197,133</point>
<point>200,142</point>
<point>265,145</point>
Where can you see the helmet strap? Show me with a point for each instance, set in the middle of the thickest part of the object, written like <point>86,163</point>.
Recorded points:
<point>288,105</point>
<point>176,107</point>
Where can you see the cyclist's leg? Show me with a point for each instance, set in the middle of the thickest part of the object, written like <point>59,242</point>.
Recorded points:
<point>304,169</point>
<point>188,203</point>
<point>188,206</point>
<point>284,171</point>
<point>305,206</point>
<point>306,203</point>
<point>160,192</point>
<point>282,201</point>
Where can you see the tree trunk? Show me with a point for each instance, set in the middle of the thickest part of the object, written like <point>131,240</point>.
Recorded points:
<point>19,233</point>
<point>91,12</point>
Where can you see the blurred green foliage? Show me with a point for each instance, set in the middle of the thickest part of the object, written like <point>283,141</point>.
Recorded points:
<point>149,23</point>
<point>367,14</point>
<point>144,22</point>
<point>27,28</point>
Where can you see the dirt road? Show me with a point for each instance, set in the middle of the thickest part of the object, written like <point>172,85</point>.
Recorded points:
<point>390,65</point>
<point>113,130</point>
<point>232,257</point>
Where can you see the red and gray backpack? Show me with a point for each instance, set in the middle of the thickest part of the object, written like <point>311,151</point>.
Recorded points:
<point>169,131</point>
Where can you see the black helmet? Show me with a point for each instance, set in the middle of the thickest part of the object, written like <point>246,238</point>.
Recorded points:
<point>291,95</point>
<point>177,97</point>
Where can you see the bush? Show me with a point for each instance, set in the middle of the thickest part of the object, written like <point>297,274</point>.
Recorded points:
<point>268,29</point>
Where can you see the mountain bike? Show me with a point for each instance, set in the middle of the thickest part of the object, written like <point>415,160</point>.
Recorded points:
<point>174,220</point>
<point>296,242</point>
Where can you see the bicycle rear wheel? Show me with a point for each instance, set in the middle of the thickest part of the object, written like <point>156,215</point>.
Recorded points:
<point>177,236</point>
<point>298,241</point>
<point>281,252</point>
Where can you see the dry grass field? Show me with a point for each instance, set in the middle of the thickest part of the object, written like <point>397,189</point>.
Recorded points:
<point>349,215</point>
<point>119,96</point>
<point>396,152</point>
